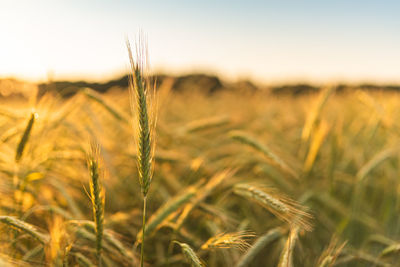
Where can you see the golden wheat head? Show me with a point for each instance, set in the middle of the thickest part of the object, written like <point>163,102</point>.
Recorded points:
<point>229,240</point>
<point>281,206</point>
<point>142,95</point>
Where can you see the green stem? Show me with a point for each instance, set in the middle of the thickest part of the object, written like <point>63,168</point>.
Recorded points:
<point>144,226</point>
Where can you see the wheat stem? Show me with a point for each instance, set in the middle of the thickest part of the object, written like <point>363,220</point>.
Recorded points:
<point>143,232</point>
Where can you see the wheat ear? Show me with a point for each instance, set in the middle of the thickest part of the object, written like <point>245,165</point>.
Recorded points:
<point>229,240</point>
<point>281,206</point>
<point>190,255</point>
<point>25,137</point>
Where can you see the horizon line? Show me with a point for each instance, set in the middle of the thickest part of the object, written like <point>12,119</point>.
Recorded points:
<point>270,81</point>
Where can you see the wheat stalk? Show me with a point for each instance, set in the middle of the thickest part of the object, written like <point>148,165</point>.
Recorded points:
<point>143,106</point>
<point>330,254</point>
<point>96,196</point>
<point>286,259</point>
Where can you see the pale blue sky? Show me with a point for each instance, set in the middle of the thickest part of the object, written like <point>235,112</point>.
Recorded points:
<point>269,41</point>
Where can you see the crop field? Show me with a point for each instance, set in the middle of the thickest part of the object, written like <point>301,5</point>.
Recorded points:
<point>236,179</point>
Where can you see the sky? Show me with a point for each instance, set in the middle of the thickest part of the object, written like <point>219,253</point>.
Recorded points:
<point>266,41</point>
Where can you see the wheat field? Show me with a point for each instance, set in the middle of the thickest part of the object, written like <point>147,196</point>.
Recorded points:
<point>238,180</point>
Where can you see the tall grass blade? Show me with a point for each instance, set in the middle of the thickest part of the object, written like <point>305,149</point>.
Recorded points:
<point>250,141</point>
<point>259,245</point>
<point>25,227</point>
<point>375,161</point>
<point>314,115</point>
<point>317,141</point>
<point>100,100</point>
<point>165,210</point>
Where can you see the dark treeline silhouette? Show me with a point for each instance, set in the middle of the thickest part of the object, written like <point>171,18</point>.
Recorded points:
<point>208,84</point>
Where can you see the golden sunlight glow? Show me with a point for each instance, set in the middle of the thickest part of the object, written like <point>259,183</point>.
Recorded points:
<point>48,39</point>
